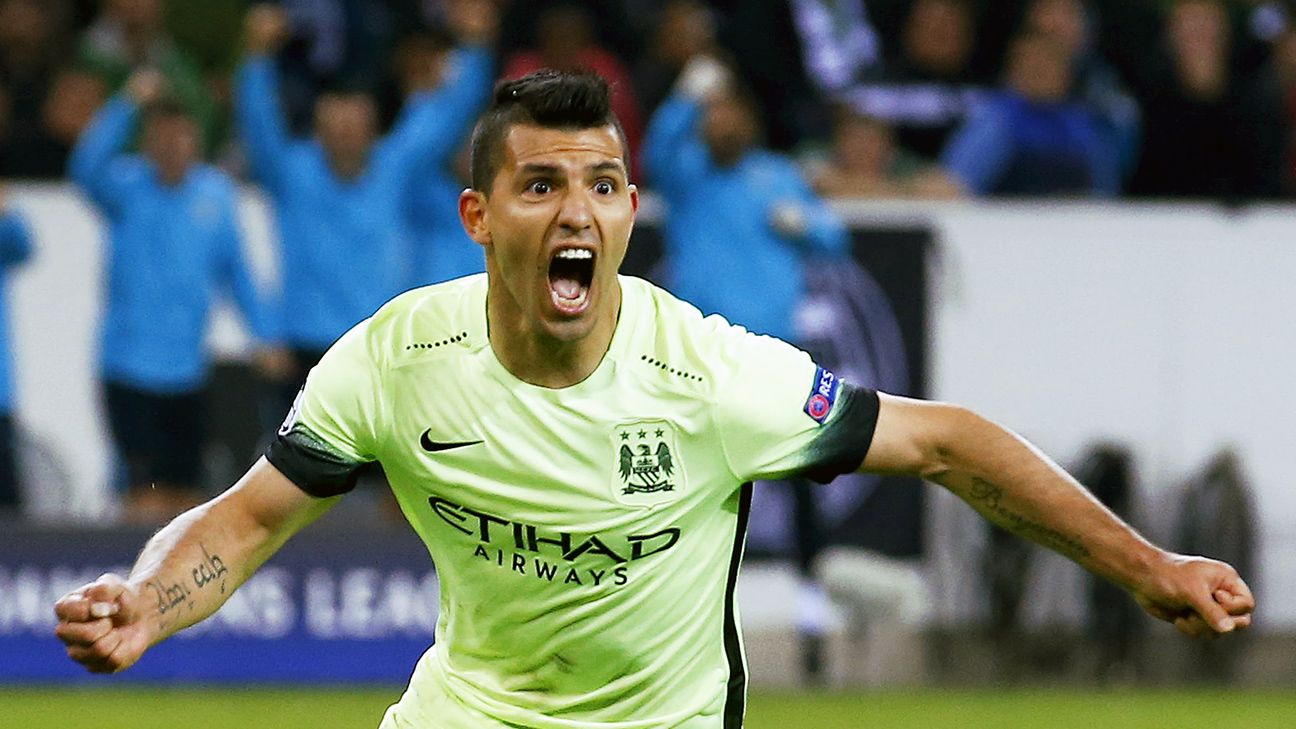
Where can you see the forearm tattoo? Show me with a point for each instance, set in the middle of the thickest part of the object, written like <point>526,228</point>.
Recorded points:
<point>208,571</point>
<point>990,497</point>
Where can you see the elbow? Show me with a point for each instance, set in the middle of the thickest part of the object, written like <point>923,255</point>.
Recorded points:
<point>954,429</point>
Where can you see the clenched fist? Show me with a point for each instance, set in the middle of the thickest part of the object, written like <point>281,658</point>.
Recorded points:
<point>104,625</point>
<point>1201,597</point>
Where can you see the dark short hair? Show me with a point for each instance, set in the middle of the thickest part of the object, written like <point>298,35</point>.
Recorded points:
<point>549,99</point>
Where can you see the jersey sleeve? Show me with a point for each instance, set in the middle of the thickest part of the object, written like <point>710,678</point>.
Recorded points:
<point>331,430</point>
<point>779,414</point>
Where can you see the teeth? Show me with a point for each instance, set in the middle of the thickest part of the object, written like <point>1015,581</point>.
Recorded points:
<point>575,254</point>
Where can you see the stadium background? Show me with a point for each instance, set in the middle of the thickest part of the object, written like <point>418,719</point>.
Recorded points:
<point>1163,325</point>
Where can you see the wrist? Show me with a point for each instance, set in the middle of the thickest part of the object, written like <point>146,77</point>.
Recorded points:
<point>1145,565</point>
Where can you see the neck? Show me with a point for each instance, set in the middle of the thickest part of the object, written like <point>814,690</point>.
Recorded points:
<point>537,357</point>
<point>348,167</point>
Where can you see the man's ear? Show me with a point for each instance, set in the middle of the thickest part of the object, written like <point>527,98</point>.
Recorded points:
<point>473,216</point>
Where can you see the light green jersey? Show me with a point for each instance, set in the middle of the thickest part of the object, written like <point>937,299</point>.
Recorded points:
<point>587,539</point>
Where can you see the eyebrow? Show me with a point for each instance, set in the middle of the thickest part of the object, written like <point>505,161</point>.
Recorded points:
<point>608,166</point>
<point>535,168</point>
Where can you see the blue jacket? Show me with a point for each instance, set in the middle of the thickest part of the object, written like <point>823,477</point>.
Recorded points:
<point>723,254</point>
<point>1012,146</point>
<point>442,249</point>
<point>344,244</point>
<point>15,249</point>
<point>170,250</point>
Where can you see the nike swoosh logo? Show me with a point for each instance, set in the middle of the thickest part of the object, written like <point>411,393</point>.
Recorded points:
<point>432,446</point>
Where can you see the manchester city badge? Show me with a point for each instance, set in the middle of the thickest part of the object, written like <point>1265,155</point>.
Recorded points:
<point>647,469</point>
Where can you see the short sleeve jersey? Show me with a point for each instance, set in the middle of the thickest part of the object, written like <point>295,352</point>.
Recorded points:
<point>587,538</point>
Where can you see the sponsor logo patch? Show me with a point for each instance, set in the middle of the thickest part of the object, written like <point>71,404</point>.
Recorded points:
<point>823,394</point>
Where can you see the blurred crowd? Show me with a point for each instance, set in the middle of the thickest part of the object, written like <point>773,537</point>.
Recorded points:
<point>876,98</point>
<point>352,116</point>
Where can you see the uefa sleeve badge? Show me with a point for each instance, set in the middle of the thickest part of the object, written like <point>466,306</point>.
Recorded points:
<point>823,393</point>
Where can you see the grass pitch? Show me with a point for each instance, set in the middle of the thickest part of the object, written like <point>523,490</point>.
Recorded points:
<point>254,708</point>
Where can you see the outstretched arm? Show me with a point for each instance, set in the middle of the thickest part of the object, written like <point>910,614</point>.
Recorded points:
<point>444,104</point>
<point>674,154</point>
<point>91,163</point>
<point>805,219</point>
<point>260,120</point>
<point>186,571</point>
<point>1015,486</point>
<point>435,122</point>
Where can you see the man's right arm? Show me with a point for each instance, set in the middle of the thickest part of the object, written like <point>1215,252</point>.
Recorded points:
<point>674,154</point>
<point>104,140</point>
<point>260,120</point>
<point>186,571</point>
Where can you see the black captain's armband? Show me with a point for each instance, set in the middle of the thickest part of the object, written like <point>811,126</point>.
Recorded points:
<point>308,462</point>
<point>843,442</point>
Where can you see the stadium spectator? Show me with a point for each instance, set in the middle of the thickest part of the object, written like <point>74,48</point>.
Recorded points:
<point>1207,132</point>
<point>1029,138</point>
<point>130,35</point>
<point>866,162</point>
<point>31,49</point>
<point>341,198</point>
<point>1282,66</point>
<point>683,29</point>
<point>927,93</point>
<point>15,249</point>
<point>565,41</point>
<point>1096,84</point>
<point>441,249</point>
<point>173,242</point>
<point>742,220</point>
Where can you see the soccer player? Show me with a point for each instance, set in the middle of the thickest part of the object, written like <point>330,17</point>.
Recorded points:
<point>573,447</point>
<point>173,243</point>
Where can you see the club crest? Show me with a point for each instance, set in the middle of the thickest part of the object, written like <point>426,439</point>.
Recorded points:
<point>647,467</point>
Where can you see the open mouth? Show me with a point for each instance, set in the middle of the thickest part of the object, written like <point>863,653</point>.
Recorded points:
<point>571,271</point>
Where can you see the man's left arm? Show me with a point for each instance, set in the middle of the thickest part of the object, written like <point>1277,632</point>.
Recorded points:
<point>437,118</point>
<point>434,122</point>
<point>1014,485</point>
<point>236,276</point>
<point>803,217</point>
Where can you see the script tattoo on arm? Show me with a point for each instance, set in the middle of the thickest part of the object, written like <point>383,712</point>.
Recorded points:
<point>990,497</point>
<point>209,570</point>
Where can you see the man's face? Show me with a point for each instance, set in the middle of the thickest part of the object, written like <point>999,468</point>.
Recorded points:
<point>555,225</point>
<point>938,36</point>
<point>171,142</point>
<point>347,125</point>
<point>728,128</point>
<point>864,146</point>
<point>1039,69</point>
